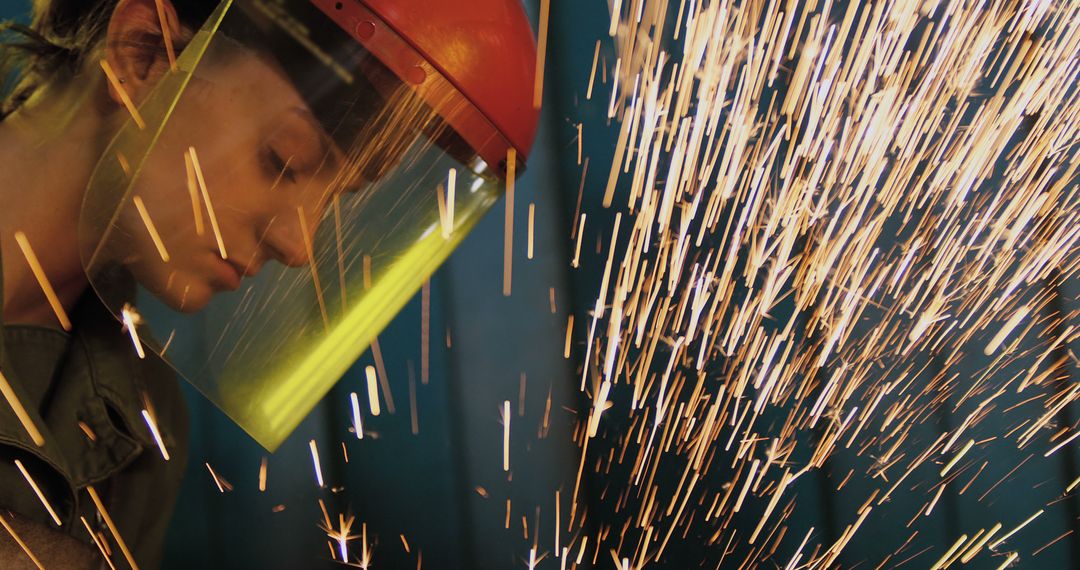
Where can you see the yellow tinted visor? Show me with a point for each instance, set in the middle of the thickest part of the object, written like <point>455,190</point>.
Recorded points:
<point>283,194</point>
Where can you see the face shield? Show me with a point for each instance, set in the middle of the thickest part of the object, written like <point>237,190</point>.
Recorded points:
<point>282,194</point>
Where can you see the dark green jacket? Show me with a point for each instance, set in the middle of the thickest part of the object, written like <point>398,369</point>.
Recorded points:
<point>85,390</point>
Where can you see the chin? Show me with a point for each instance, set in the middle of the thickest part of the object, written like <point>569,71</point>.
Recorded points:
<point>197,298</point>
<point>183,296</point>
<point>192,305</point>
<point>179,289</point>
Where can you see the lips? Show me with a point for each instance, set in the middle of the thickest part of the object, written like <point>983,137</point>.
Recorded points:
<point>246,269</point>
<point>229,273</point>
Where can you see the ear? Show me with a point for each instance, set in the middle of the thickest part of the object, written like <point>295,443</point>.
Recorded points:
<point>136,48</point>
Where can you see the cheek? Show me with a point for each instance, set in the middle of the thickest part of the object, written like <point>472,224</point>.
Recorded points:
<point>176,202</point>
<point>225,134</point>
<point>183,283</point>
<point>166,203</point>
<point>229,159</point>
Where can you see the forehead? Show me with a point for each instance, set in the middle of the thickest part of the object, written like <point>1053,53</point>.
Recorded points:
<point>234,70</point>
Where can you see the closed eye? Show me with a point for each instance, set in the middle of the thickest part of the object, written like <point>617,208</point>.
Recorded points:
<point>279,168</point>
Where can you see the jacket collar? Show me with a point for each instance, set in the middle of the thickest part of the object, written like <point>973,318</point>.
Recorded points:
<point>100,355</point>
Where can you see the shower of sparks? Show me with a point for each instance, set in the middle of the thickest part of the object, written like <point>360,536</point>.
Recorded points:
<point>340,535</point>
<point>43,280</point>
<point>827,225</point>
<point>833,223</point>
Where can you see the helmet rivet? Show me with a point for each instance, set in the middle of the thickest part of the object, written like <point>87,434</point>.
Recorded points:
<point>365,30</point>
<point>416,75</point>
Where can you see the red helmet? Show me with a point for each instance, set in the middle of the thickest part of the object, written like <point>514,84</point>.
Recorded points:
<point>484,48</point>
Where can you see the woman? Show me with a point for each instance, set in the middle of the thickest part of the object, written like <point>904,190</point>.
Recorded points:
<point>181,147</point>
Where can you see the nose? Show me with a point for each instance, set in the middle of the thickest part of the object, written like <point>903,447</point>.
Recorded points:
<point>284,242</point>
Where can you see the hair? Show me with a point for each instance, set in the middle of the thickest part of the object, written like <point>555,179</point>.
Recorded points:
<point>61,34</point>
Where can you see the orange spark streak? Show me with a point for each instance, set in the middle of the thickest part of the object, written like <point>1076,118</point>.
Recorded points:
<point>20,412</point>
<point>312,264</point>
<point>37,491</point>
<point>43,281</point>
<point>150,423</point>
<point>151,228</point>
<point>166,34</point>
<point>19,541</point>
<point>197,168</point>
<point>506,435</point>
<point>541,53</point>
<point>508,221</point>
<point>357,423</point>
<point>125,98</point>
<point>315,461</point>
<point>372,390</point>
<point>112,526</point>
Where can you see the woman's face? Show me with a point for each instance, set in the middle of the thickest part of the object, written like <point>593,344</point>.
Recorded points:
<point>265,161</point>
